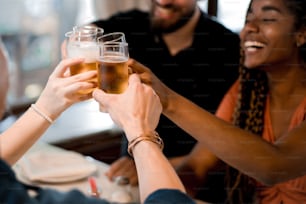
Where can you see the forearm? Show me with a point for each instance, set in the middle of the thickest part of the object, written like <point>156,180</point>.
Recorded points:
<point>59,93</point>
<point>233,145</point>
<point>22,135</point>
<point>154,170</point>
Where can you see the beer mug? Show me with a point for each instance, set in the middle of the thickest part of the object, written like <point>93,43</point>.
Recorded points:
<point>89,29</point>
<point>112,37</point>
<point>83,44</point>
<point>112,67</point>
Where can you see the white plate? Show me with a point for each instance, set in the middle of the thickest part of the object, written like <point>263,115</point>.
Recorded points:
<point>54,167</point>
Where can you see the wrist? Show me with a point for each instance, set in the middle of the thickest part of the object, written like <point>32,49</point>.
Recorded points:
<point>152,136</point>
<point>50,110</point>
<point>41,113</point>
<point>168,101</point>
<point>132,131</point>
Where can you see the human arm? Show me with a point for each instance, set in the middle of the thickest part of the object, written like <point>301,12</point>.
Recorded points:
<point>59,93</point>
<point>139,115</point>
<point>243,150</point>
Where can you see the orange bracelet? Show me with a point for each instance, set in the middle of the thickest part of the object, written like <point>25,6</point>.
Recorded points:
<point>152,137</point>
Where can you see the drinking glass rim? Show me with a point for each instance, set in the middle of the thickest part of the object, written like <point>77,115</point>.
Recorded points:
<point>114,43</point>
<point>70,33</point>
<point>89,27</point>
<point>121,34</point>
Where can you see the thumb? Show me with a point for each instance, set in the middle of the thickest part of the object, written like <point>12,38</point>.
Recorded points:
<point>99,95</point>
<point>134,78</point>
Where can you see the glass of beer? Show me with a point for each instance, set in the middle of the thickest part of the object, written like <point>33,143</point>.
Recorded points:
<point>112,37</point>
<point>89,29</point>
<point>83,43</point>
<point>112,67</point>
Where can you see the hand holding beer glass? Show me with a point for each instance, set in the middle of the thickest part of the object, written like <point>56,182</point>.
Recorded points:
<point>82,42</point>
<point>112,67</point>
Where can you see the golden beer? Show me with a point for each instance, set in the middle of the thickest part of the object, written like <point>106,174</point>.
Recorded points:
<point>89,51</point>
<point>113,73</point>
<point>83,67</point>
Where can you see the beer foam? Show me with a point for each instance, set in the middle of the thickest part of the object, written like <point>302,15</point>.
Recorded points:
<point>113,57</point>
<point>87,50</point>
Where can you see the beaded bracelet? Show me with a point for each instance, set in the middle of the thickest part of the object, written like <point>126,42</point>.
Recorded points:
<point>33,107</point>
<point>152,137</point>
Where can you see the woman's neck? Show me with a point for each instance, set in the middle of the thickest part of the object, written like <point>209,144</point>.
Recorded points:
<point>287,85</point>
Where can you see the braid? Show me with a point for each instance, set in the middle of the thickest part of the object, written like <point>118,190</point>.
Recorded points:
<point>248,115</point>
<point>250,107</point>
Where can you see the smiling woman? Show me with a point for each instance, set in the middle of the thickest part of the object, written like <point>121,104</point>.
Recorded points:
<point>260,125</point>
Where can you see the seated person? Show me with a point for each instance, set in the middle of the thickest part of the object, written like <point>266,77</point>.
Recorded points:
<point>179,42</point>
<point>61,92</point>
<point>259,128</point>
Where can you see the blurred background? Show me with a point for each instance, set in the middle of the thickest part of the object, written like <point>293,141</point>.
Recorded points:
<point>32,31</point>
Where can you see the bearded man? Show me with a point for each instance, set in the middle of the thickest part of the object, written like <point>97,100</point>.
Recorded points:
<point>190,52</point>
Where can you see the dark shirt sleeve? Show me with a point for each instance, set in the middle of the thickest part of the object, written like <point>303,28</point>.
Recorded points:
<point>168,196</point>
<point>124,146</point>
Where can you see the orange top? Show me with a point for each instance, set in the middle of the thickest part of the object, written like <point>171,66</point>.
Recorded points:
<point>292,191</point>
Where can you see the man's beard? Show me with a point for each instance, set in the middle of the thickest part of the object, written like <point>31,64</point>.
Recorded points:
<point>158,25</point>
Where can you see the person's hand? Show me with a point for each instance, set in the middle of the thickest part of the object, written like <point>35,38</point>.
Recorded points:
<point>125,167</point>
<point>137,110</point>
<point>147,77</point>
<point>62,89</point>
<point>64,49</point>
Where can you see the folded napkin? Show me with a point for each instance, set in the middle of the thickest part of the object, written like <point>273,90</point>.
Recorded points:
<point>54,167</point>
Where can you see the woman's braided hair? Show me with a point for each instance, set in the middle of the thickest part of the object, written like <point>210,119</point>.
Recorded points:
<point>250,107</point>
<point>248,115</point>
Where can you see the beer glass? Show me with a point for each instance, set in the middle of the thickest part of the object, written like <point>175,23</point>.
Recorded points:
<point>89,29</point>
<point>112,37</point>
<point>83,44</point>
<point>112,67</point>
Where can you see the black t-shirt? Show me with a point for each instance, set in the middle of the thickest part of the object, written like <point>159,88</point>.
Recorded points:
<point>202,73</point>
